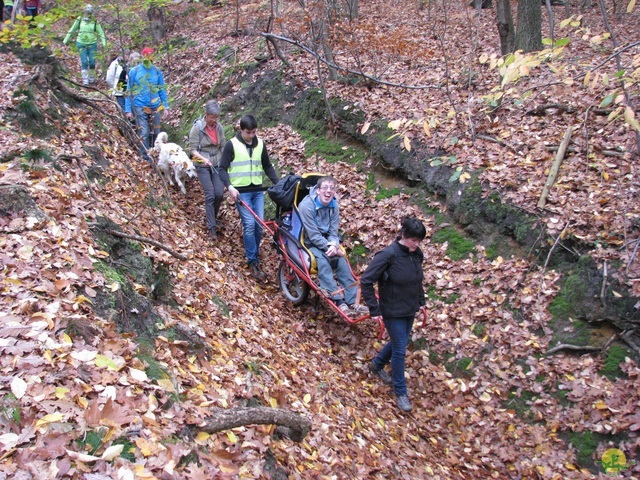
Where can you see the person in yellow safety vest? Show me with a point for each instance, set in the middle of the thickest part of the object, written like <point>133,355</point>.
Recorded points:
<point>88,32</point>
<point>8,9</point>
<point>243,162</point>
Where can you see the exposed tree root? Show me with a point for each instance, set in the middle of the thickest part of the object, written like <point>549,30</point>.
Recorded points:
<point>148,240</point>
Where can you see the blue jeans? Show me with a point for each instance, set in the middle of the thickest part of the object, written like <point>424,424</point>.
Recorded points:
<point>87,55</point>
<point>142,119</point>
<point>213,194</point>
<point>251,229</point>
<point>343,272</point>
<point>395,350</point>
<point>120,100</point>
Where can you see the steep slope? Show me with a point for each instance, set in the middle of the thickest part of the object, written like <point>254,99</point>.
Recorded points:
<point>489,403</point>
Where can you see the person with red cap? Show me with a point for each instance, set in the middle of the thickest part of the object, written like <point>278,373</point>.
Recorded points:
<point>148,99</point>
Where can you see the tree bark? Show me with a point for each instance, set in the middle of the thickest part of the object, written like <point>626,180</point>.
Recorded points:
<point>157,19</point>
<point>529,30</point>
<point>506,30</point>
<point>353,7</point>
<point>294,426</point>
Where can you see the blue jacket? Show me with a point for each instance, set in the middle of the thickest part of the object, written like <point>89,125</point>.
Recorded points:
<point>146,86</point>
<point>320,222</point>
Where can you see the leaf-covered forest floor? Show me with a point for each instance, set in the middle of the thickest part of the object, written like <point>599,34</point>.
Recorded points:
<point>488,401</point>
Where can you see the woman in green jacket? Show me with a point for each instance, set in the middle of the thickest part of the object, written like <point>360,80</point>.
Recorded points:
<point>88,30</point>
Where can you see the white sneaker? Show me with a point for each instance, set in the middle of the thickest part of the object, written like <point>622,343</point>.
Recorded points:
<point>344,308</point>
<point>358,309</point>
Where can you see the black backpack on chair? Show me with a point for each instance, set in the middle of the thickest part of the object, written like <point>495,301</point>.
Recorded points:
<point>283,192</point>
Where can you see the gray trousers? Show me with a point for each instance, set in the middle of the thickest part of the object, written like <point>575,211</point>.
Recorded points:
<point>213,193</point>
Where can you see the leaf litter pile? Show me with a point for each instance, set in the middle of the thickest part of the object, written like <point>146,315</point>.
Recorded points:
<point>80,400</point>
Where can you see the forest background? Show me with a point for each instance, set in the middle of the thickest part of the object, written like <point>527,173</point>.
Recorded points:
<point>135,348</point>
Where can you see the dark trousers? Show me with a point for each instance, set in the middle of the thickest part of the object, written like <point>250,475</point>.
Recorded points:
<point>213,193</point>
<point>395,351</point>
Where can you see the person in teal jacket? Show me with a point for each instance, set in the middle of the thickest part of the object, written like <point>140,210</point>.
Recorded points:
<point>147,98</point>
<point>88,32</point>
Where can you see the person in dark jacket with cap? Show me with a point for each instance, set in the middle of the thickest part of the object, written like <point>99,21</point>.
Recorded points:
<point>397,270</point>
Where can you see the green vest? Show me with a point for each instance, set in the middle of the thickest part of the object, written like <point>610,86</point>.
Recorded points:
<point>245,170</point>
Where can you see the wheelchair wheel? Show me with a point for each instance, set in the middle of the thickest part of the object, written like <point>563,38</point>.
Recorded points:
<point>294,288</point>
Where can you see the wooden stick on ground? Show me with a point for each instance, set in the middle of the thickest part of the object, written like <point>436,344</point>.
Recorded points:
<point>566,346</point>
<point>291,424</point>
<point>146,240</point>
<point>84,174</point>
<point>555,167</point>
<point>555,243</point>
<point>604,285</point>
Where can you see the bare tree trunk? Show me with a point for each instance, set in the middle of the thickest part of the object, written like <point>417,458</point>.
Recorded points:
<point>552,25</point>
<point>237,27</point>
<point>157,19</point>
<point>353,7</point>
<point>323,37</point>
<point>529,30</point>
<point>506,30</point>
<point>277,45</point>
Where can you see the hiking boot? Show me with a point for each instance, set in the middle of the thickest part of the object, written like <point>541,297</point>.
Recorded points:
<point>404,404</point>
<point>257,273</point>
<point>213,235</point>
<point>344,308</point>
<point>381,374</point>
<point>358,309</point>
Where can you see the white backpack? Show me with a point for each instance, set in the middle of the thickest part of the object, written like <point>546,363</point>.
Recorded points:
<point>111,71</point>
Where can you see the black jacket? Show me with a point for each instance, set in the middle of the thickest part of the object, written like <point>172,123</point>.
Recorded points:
<point>399,276</point>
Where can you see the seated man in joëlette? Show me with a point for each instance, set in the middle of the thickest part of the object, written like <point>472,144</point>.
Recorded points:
<point>320,215</point>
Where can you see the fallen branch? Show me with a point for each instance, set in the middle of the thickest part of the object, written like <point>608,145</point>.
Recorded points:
<point>542,109</point>
<point>612,153</point>
<point>604,285</point>
<point>84,174</point>
<point>268,36</point>
<point>555,148</point>
<point>567,346</point>
<point>626,336</point>
<point>294,426</point>
<point>633,256</point>
<point>554,168</point>
<point>150,241</point>
<point>544,269</point>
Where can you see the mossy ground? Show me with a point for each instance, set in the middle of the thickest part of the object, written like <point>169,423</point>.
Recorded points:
<point>153,368</point>
<point>358,255</point>
<point>615,356</point>
<point>586,444</point>
<point>520,402</point>
<point>458,246</point>
<point>433,294</point>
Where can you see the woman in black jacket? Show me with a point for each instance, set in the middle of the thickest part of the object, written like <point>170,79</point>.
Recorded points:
<point>397,270</point>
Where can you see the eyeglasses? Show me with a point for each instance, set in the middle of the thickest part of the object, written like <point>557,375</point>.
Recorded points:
<point>328,188</point>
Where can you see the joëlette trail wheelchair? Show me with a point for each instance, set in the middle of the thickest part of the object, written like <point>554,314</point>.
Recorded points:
<point>297,272</point>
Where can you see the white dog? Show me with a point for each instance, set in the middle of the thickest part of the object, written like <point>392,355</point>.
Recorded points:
<point>172,156</point>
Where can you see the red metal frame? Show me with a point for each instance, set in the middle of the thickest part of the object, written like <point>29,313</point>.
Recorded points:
<point>272,226</point>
